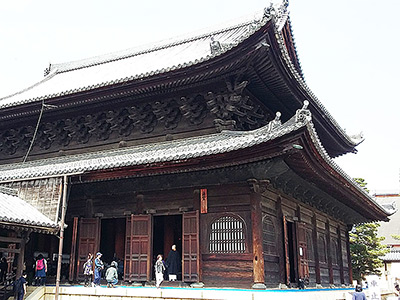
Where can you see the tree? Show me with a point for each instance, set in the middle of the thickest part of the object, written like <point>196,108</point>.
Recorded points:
<point>366,247</point>
<point>365,250</point>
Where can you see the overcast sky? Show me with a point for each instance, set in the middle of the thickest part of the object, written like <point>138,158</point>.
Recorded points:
<point>348,50</point>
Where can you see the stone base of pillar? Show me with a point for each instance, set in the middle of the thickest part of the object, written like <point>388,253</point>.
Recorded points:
<point>259,286</point>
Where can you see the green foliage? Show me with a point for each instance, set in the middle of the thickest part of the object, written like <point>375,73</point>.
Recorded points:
<point>365,246</point>
<point>365,250</point>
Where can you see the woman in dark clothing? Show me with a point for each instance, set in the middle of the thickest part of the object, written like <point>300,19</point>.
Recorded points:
<point>173,263</point>
<point>359,294</point>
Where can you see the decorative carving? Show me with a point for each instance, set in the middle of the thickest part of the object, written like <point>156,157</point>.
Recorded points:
<point>303,115</point>
<point>275,122</point>
<point>194,109</point>
<point>144,118</point>
<point>258,186</point>
<point>215,47</point>
<point>168,113</point>
<point>122,122</point>
<point>101,125</point>
<point>232,105</point>
<point>79,128</point>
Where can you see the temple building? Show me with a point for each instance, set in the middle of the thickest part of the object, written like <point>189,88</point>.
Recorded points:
<point>212,142</point>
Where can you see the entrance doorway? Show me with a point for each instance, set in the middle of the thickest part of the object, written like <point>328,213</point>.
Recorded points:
<point>167,231</point>
<point>292,249</point>
<point>112,240</point>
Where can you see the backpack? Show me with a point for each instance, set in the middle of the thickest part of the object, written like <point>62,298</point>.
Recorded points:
<point>40,264</point>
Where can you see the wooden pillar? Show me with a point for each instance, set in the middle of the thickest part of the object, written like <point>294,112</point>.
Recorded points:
<point>256,230</point>
<point>328,250</point>
<point>316,250</point>
<point>340,254</point>
<point>279,214</point>
<point>21,254</point>
<point>348,255</point>
<point>72,259</point>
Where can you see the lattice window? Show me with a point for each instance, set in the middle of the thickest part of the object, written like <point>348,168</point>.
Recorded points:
<point>322,249</point>
<point>227,235</point>
<point>269,237</point>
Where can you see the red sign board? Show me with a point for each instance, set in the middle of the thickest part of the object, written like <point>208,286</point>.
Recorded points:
<point>203,201</point>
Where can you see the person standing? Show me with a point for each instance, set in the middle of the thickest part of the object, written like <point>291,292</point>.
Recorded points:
<point>359,294</point>
<point>173,263</point>
<point>159,269</point>
<point>3,269</point>
<point>88,270</point>
<point>20,287</point>
<point>41,270</point>
<point>112,275</point>
<point>98,267</point>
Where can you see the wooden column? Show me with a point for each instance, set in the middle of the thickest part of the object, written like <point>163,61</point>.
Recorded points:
<point>340,254</point>
<point>21,254</point>
<point>256,230</point>
<point>328,250</point>
<point>348,254</point>
<point>72,259</point>
<point>282,264</point>
<point>316,253</point>
<point>196,206</point>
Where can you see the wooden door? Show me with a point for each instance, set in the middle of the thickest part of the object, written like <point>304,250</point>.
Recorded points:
<point>286,248</point>
<point>138,248</point>
<point>190,247</point>
<point>88,241</point>
<point>302,250</point>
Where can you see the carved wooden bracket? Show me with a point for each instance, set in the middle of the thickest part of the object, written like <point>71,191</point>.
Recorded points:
<point>258,186</point>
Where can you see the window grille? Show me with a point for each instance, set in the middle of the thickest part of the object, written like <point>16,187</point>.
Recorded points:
<point>269,237</point>
<point>227,235</point>
<point>321,249</point>
<point>310,246</point>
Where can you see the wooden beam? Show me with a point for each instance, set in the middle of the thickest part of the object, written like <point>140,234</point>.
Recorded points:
<point>9,250</point>
<point>7,239</point>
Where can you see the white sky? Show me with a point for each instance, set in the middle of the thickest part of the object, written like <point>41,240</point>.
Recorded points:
<point>348,50</point>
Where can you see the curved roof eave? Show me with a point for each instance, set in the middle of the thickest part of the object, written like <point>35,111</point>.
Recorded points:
<point>352,141</point>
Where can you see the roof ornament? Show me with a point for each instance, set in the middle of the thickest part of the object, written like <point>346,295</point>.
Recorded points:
<point>215,47</point>
<point>275,122</point>
<point>47,70</point>
<point>303,115</point>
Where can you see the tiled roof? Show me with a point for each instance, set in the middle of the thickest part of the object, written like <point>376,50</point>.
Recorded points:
<point>137,63</point>
<point>393,255</point>
<point>17,212</point>
<point>158,58</point>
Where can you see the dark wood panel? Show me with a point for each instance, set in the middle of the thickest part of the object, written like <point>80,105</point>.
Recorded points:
<point>224,273</point>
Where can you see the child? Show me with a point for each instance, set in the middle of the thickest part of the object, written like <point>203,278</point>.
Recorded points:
<point>88,270</point>
<point>112,275</point>
<point>159,270</point>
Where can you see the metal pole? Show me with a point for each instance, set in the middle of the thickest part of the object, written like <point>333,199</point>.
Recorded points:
<point>60,246</point>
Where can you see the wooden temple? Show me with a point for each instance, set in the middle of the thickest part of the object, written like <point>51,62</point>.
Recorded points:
<point>212,142</point>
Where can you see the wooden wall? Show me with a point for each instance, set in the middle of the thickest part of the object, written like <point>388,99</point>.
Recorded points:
<point>326,238</point>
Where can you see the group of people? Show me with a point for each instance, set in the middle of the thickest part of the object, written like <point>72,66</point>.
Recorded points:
<point>96,268</point>
<point>172,265</point>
